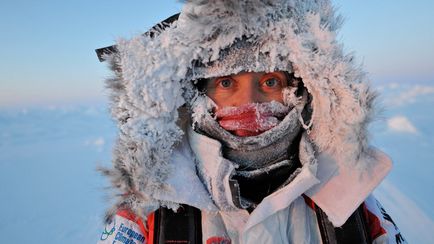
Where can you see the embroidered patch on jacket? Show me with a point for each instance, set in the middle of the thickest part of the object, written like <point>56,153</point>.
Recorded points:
<point>122,231</point>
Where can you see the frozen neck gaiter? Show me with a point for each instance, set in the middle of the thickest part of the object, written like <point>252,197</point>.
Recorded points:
<point>266,154</point>
<point>251,119</point>
<point>261,140</point>
<point>267,130</point>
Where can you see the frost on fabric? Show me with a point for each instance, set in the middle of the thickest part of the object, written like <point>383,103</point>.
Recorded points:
<point>252,117</point>
<point>301,39</point>
<point>153,80</point>
<point>204,119</point>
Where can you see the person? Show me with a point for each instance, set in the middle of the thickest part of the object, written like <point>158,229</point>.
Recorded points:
<point>243,122</point>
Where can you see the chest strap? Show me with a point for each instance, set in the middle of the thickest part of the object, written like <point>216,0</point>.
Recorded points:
<point>184,226</point>
<point>181,227</point>
<point>353,231</point>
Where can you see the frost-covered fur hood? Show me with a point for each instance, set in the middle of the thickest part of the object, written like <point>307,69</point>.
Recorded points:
<point>153,75</point>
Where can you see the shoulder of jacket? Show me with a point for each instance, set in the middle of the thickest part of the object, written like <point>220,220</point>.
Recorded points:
<point>126,228</point>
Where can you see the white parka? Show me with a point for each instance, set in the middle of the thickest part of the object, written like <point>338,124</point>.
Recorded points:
<point>156,154</point>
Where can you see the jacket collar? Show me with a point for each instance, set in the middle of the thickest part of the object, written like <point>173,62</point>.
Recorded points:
<point>342,189</point>
<point>183,184</point>
<point>337,189</point>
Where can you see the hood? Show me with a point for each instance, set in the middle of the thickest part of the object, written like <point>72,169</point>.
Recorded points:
<point>153,76</point>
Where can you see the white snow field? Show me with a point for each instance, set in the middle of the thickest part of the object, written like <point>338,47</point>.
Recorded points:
<point>51,192</point>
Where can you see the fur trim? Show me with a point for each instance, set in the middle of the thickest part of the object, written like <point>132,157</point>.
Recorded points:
<point>153,80</point>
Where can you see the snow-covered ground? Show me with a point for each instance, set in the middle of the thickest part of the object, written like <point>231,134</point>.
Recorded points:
<point>51,192</point>
<point>405,131</point>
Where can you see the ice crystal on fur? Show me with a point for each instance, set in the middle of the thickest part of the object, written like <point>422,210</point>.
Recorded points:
<point>153,79</point>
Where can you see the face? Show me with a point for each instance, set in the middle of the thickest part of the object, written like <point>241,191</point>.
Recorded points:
<point>246,87</point>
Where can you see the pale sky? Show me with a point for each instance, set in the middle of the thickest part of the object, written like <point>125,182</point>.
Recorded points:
<point>48,46</point>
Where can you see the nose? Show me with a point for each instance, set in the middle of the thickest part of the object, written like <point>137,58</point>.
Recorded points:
<point>248,94</point>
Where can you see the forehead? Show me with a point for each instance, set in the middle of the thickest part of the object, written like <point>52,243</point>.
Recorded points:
<point>245,74</point>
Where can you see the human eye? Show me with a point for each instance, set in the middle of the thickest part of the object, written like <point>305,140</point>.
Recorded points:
<point>224,82</point>
<point>272,82</point>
